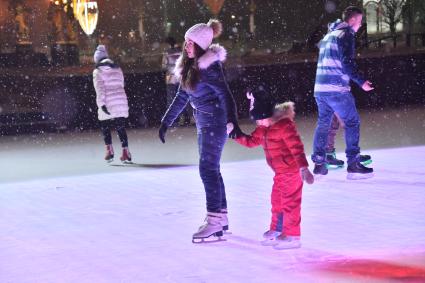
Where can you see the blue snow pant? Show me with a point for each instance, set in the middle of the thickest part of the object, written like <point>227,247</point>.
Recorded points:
<point>211,142</point>
<point>344,105</point>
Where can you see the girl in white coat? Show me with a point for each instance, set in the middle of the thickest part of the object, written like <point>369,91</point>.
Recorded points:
<point>111,100</point>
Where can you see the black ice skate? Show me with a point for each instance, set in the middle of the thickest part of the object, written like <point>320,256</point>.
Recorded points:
<point>365,159</point>
<point>332,161</point>
<point>320,169</point>
<point>357,171</point>
<point>212,227</point>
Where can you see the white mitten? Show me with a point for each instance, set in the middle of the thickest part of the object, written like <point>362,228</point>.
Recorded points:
<point>229,127</point>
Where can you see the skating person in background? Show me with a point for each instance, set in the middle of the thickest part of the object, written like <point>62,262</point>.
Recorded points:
<point>111,100</point>
<point>284,152</point>
<point>335,68</point>
<point>331,159</point>
<point>203,84</point>
<point>172,82</point>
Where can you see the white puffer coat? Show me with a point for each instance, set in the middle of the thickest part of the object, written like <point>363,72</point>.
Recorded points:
<point>108,82</point>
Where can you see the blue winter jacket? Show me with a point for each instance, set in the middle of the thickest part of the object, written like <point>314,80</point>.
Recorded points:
<point>211,100</point>
<point>336,63</point>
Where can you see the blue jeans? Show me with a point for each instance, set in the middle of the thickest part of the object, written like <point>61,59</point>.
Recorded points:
<point>344,105</point>
<point>211,142</point>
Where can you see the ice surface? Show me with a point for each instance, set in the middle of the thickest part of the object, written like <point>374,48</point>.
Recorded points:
<point>79,220</point>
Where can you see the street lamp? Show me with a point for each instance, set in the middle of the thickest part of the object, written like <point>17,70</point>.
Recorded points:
<point>87,14</point>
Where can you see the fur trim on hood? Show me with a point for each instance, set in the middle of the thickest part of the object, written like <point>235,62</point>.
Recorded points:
<point>214,53</point>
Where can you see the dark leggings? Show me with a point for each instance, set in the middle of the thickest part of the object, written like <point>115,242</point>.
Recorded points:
<point>119,125</point>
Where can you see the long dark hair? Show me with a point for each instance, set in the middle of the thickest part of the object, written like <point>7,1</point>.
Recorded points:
<point>190,71</point>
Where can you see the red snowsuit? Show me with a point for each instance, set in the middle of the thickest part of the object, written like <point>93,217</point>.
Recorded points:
<point>285,155</point>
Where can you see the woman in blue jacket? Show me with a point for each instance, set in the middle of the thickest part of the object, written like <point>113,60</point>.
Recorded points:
<point>203,85</point>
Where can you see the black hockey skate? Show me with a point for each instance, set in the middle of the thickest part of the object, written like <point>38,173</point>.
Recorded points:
<point>332,161</point>
<point>365,159</point>
<point>320,169</point>
<point>357,171</point>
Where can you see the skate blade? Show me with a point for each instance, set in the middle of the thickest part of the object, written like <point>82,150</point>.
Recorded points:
<point>208,240</point>
<point>358,176</point>
<point>334,167</point>
<point>287,247</point>
<point>110,160</point>
<point>214,237</point>
<point>127,162</point>
<point>269,242</point>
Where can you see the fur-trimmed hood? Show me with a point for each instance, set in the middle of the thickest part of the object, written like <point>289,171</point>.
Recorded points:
<point>214,53</point>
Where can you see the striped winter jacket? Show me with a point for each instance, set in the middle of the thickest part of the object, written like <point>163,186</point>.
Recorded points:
<point>108,80</point>
<point>336,65</point>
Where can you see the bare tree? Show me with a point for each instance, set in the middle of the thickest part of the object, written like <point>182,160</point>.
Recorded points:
<point>392,15</point>
<point>420,11</point>
<point>419,16</point>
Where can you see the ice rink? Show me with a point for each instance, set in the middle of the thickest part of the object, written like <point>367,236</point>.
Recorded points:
<point>66,216</point>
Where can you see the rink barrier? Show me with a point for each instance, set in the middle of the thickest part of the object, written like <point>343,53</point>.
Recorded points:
<point>33,101</point>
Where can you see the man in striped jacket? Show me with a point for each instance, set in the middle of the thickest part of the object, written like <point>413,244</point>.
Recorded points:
<point>335,68</point>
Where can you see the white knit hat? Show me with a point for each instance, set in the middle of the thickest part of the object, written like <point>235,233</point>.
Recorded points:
<point>203,34</point>
<point>100,53</point>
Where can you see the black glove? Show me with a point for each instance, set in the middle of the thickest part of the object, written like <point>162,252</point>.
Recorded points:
<point>104,109</point>
<point>162,131</point>
<point>236,132</point>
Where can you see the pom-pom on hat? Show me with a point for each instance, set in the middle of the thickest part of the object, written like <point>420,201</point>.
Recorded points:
<point>261,106</point>
<point>203,34</point>
<point>100,53</point>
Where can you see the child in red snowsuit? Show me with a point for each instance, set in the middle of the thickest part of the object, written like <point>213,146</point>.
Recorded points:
<point>284,150</point>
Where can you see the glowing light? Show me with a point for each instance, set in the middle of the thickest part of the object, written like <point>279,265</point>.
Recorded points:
<point>214,6</point>
<point>87,13</point>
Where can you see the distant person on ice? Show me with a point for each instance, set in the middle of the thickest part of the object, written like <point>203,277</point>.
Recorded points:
<point>111,100</point>
<point>335,68</point>
<point>284,150</point>
<point>203,84</point>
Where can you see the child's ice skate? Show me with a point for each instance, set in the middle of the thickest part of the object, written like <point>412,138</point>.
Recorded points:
<point>212,227</point>
<point>356,171</point>
<point>126,156</point>
<point>109,156</point>
<point>332,162</point>
<point>270,237</point>
<point>287,242</point>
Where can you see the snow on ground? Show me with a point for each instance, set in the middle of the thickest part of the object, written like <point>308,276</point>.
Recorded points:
<point>67,217</point>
